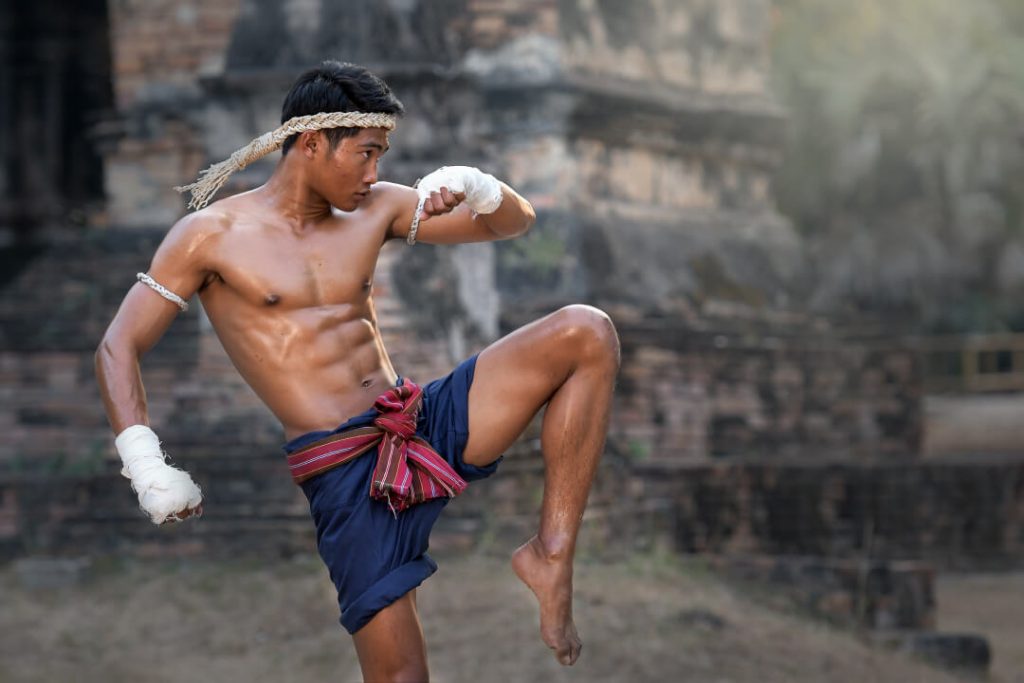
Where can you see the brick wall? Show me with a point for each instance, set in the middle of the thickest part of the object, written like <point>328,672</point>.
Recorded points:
<point>641,131</point>
<point>780,392</point>
<point>959,515</point>
<point>160,46</point>
<point>626,216</point>
<point>160,50</point>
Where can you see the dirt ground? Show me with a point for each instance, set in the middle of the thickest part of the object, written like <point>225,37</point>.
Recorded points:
<point>648,619</point>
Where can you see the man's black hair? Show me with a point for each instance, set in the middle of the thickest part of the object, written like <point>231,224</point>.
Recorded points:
<point>337,86</point>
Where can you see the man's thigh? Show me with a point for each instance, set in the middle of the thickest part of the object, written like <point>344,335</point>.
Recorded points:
<point>516,375</point>
<point>391,646</point>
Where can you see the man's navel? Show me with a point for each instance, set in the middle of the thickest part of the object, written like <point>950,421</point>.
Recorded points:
<point>271,299</point>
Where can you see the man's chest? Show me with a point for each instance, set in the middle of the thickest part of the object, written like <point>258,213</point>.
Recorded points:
<point>290,273</point>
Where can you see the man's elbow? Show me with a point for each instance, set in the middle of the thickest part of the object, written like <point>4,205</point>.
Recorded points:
<point>104,354</point>
<point>530,218</point>
<point>106,348</point>
<point>527,221</point>
<point>109,352</point>
<point>510,223</point>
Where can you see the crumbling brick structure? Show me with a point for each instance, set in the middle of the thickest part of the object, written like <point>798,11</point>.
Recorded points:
<point>644,134</point>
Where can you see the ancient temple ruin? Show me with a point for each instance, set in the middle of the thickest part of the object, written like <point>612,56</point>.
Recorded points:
<point>644,134</point>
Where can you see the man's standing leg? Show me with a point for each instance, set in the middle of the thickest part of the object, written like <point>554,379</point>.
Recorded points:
<point>391,647</point>
<point>569,360</point>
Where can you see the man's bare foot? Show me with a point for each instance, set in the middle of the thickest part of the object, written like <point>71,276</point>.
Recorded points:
<point>550,579</point>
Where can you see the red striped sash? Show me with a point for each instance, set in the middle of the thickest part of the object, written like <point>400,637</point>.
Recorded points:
<point>408,470</point>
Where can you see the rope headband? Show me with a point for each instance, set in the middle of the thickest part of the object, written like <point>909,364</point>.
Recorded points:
<point>216,175</point>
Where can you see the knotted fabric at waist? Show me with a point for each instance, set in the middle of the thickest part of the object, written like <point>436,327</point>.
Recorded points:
<point>408,469</point>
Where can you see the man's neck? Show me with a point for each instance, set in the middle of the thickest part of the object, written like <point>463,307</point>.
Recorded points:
<point>288,194</point>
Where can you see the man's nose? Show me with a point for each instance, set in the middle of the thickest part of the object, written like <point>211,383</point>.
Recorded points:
<point>371,174</point>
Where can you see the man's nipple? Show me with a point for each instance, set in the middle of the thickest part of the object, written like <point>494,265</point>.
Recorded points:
<point>271,299</point>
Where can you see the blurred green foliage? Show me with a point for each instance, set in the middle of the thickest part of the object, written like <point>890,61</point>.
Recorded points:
<point>638,450</point>
<point>539,251</point>
<point>536,260</point>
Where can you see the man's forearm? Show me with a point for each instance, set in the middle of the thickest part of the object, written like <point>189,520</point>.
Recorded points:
<point>120,383</point>
<point>165,493</point>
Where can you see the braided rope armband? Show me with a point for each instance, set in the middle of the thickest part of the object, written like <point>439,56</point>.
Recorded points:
<point>411,239</point>
<point>162,291</point>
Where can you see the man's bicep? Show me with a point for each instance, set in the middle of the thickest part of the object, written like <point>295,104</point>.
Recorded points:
<point>179,266</point>
<point>141,321</point>
<point>403,201</point>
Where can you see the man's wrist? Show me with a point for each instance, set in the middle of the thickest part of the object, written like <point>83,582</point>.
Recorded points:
<point>483,191</point>
<point>134,444</point>
<point>164,491</point>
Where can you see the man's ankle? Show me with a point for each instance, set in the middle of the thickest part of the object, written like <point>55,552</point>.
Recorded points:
<point>554,547</point>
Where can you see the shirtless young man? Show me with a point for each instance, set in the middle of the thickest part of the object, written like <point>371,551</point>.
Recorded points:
<point>284,273</point>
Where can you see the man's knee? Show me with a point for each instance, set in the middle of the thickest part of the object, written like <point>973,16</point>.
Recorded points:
<point>593,331</point>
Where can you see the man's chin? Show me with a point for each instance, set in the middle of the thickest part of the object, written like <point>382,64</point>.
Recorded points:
<point>356,201</point>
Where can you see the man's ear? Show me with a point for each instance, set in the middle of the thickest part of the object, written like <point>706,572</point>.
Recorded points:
<point>309,142</point>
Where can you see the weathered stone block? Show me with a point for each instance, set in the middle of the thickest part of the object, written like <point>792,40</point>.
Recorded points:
<point>965,652</point>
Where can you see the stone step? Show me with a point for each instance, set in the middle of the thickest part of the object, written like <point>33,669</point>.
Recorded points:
<point>961,652</point>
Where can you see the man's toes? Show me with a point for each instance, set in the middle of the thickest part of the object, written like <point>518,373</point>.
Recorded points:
<point>575,647</point>
<point>568,653</point>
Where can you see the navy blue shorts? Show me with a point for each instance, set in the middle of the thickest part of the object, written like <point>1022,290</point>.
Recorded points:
<point>374,557</point>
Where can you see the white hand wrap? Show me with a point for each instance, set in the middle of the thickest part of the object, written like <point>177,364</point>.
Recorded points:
<point>483,191</point>
<point>163,490</point>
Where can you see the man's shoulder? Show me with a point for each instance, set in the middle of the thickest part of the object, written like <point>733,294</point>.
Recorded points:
<point>206,222</point>
<point>194,233</point>
<point>393,193</point>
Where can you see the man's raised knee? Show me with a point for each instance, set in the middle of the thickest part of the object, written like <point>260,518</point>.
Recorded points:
<point>593,330</point>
